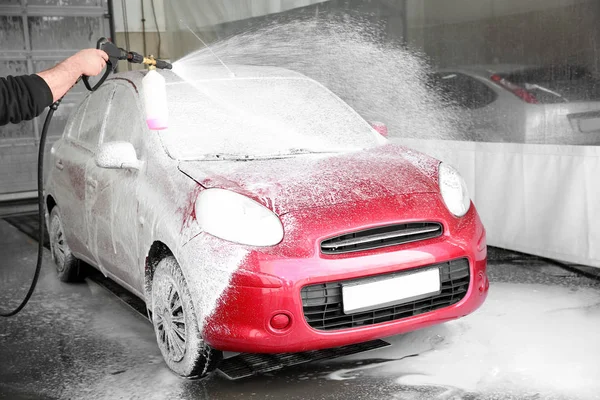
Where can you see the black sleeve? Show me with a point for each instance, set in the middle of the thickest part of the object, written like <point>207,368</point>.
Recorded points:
<point>23,98</point>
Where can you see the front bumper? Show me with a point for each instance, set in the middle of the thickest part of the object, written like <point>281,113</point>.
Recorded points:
<point>271,283</point>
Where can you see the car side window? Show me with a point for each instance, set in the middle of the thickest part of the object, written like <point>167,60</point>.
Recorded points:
<point>95,115</point>
<point>463,91</point>
<point>74,122</point>
<point>124,121</point>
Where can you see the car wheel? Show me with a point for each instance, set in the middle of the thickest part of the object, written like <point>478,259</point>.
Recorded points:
<point>67,266</point>
<point>176,325</point>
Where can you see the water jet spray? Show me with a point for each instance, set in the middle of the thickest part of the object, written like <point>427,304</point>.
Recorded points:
<point>231,74</point>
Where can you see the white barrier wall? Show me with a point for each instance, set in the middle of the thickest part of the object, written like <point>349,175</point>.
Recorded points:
<point>537,199</point>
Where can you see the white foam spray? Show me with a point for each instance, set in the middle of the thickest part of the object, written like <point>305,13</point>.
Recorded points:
<point>382,82</point>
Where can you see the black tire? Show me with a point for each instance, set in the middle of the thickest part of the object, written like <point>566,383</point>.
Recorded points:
<point>176,325</point>
<point>68,267</point>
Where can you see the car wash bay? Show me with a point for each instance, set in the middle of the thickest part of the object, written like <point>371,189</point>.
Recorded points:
<point>533,338</point>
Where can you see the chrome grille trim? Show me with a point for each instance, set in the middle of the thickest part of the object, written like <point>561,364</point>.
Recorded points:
<point>379,237</point>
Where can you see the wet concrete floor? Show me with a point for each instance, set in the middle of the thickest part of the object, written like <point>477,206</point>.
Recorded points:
<point>535,338</point>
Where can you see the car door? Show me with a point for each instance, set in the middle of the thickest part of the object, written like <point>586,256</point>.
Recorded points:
<point>114,206</point>
<point>69,158</point>
<point>89,136</point>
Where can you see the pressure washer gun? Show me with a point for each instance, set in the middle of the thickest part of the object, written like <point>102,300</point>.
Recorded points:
<point>115,54</point>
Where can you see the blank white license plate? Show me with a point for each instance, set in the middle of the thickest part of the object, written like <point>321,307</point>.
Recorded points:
<point>381,293</point>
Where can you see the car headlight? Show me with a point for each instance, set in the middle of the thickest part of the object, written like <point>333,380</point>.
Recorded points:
<point>454,190</point>
<point>237,218</point>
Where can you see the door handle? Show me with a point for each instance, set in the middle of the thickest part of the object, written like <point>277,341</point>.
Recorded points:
<point>59,164</point>
<point>91,183</point>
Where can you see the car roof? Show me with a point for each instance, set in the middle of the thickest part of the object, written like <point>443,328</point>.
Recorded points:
<point>211,73</point>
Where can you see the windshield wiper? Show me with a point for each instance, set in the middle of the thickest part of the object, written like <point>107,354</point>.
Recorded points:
<point>221,157</point>
<point>308,151</point>
<point>247,157</point>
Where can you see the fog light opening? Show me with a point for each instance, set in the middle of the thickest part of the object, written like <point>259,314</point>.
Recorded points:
<point>280,321</point>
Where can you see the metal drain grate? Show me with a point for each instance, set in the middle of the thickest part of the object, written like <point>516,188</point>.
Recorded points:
<point>246,365</point>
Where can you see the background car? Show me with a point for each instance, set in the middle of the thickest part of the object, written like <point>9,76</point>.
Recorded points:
<point>523,104</point>
<point>268,218</point>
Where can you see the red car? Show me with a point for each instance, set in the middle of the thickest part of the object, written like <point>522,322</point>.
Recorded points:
<point>268,218</point>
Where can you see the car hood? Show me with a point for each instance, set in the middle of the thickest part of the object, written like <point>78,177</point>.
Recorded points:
<point>320,180</point>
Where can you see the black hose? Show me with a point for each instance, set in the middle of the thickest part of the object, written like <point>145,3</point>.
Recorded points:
<point>41,210</point>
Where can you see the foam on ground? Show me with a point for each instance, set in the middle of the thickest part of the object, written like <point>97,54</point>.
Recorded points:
<point>525,340</point>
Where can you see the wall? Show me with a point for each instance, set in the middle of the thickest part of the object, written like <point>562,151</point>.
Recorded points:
<point>464,32</point>
<point>208,13</point>
<point>436,12</point>
<point>134,14</point>
<point>147,44</point>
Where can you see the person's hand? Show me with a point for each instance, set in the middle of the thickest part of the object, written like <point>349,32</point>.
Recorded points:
<point>62,77</point>
<point>90,62</point>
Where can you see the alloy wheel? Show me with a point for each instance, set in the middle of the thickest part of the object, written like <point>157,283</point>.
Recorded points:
<point>170,323</point>
<point>58,245</point>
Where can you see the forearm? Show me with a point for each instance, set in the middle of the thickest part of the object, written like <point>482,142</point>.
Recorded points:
<point>61,78</point>
<point>23,98</point>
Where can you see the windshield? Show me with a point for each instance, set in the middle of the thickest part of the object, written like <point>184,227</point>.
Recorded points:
<point>260,118</point>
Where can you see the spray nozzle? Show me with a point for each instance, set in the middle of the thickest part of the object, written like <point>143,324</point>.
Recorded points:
<point>116,53</point>
<point>152,62</point>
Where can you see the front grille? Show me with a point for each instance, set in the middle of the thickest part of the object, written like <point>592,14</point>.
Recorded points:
<point>381,237</point>
<point>323,306</point>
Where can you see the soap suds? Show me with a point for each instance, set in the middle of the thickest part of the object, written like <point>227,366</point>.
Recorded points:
<point>259,117</point>
<point>211,264</point>
<point>315,181</point>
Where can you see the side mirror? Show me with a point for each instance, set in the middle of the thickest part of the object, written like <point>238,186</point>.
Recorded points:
<point>117,155</point>
<point>380,127</point>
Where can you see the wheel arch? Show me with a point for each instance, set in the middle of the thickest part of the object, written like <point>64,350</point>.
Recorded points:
<point>157,252</point>
<point>50,203</point>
